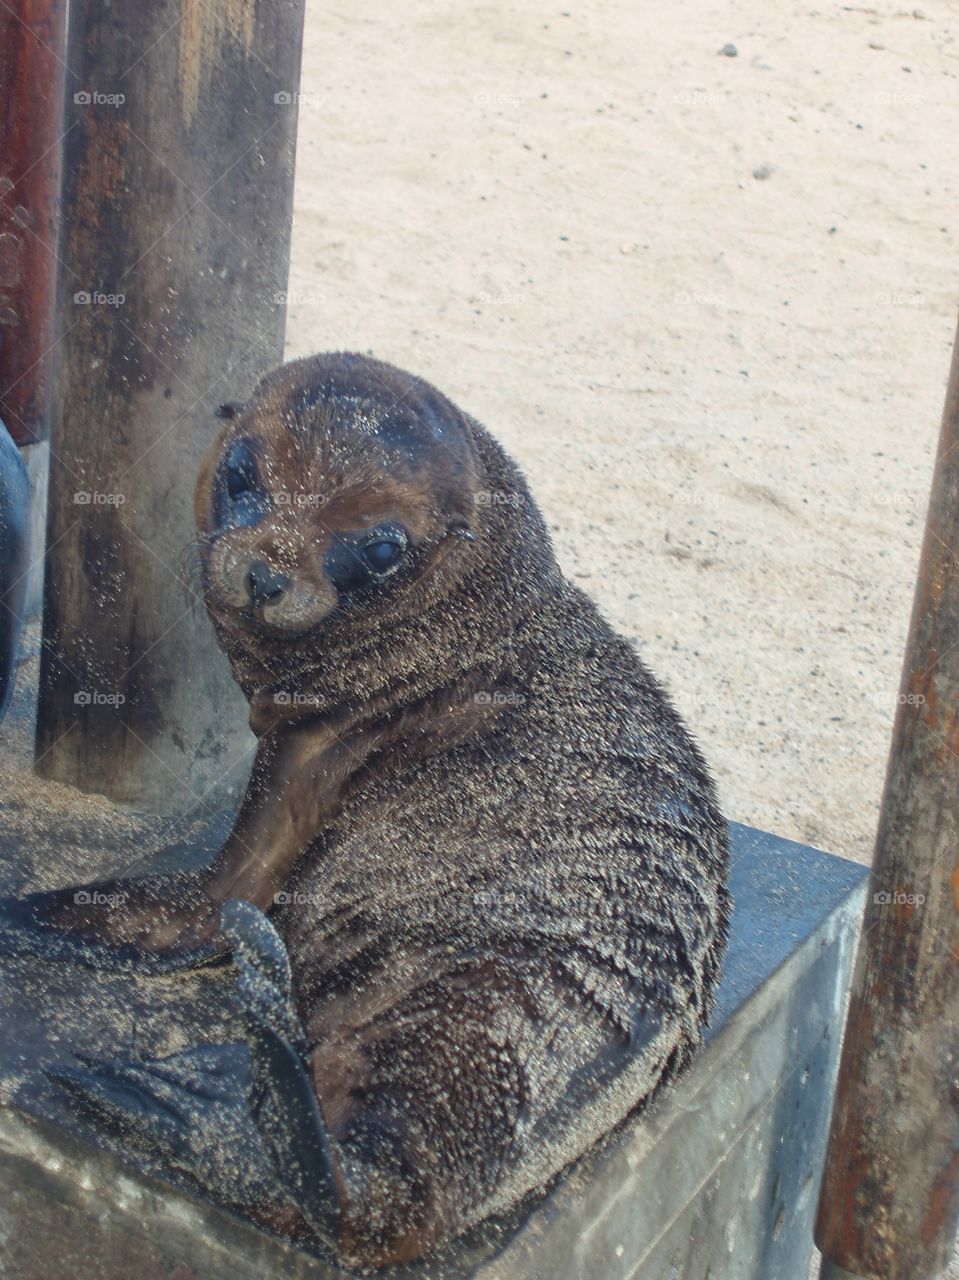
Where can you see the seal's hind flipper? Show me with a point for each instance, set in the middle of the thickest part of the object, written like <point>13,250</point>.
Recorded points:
<point>186,1113</point>
<point>282,1099</point>
<point>158,1099</point>
<point>240,1121</point>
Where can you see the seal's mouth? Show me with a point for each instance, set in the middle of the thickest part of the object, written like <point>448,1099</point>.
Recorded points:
<point>257,623</point>
<point>252,620</point>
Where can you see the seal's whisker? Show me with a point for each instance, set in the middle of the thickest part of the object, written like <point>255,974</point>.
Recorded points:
<point>191,567</point>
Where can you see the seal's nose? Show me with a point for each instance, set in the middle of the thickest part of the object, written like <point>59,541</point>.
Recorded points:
<point>264,584</point>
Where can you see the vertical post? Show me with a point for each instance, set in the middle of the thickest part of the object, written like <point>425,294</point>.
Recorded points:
<point>890,1196</point>
<point>177,209</point>
<point>32,37</point>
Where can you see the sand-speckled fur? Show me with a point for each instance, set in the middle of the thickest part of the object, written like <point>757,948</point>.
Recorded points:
<point>501,945</point>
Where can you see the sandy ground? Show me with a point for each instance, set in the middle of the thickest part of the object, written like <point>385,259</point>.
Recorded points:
<point>725,387</point>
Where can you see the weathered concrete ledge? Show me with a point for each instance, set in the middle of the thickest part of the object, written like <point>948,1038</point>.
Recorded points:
<point>718,1182</point>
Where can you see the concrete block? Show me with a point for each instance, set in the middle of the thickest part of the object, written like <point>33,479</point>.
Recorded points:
<point>718,1182</point>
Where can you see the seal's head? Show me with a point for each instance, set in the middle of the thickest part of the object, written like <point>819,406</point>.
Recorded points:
<point>327,494</point>
<point>360,536</point>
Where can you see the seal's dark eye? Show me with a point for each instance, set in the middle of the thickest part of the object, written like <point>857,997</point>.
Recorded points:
<point>241,499</point>
<point>383,554</point>
<point>241,473</point>
<point>360,561</point>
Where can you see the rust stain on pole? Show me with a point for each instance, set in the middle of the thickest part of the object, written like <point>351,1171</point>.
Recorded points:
<point>890,1199</point>
<point>201,30</point>
<point>32,78</point>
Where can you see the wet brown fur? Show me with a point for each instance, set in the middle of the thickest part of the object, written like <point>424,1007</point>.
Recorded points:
<point>502,861</point>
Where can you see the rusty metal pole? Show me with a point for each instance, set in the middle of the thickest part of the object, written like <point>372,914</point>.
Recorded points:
<point>890,1196</point>
<point>177,212</point>
<point>32,75</point>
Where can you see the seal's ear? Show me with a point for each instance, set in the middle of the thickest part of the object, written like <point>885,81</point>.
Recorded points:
<point>229,409</point>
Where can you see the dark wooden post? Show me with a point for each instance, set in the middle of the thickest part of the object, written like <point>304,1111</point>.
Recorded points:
<point>32,37</point>
<point>890,1196</point>
<point>177,206</point>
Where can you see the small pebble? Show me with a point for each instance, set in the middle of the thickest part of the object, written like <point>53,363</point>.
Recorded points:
<point>763,172</point>
<point>729,51</point>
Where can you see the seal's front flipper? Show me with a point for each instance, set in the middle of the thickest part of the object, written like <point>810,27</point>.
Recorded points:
<point>281,1094</point>
<point>186,1112</point>
<point>166,923</point>
<point>159,924</point>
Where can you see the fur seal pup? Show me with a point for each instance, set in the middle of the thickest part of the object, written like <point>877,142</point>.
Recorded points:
<point>14,542</point>
<point>490,852</point>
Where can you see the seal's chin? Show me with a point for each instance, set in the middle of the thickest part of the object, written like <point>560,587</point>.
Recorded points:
<point>290,617</point>
<point>257,623</point>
